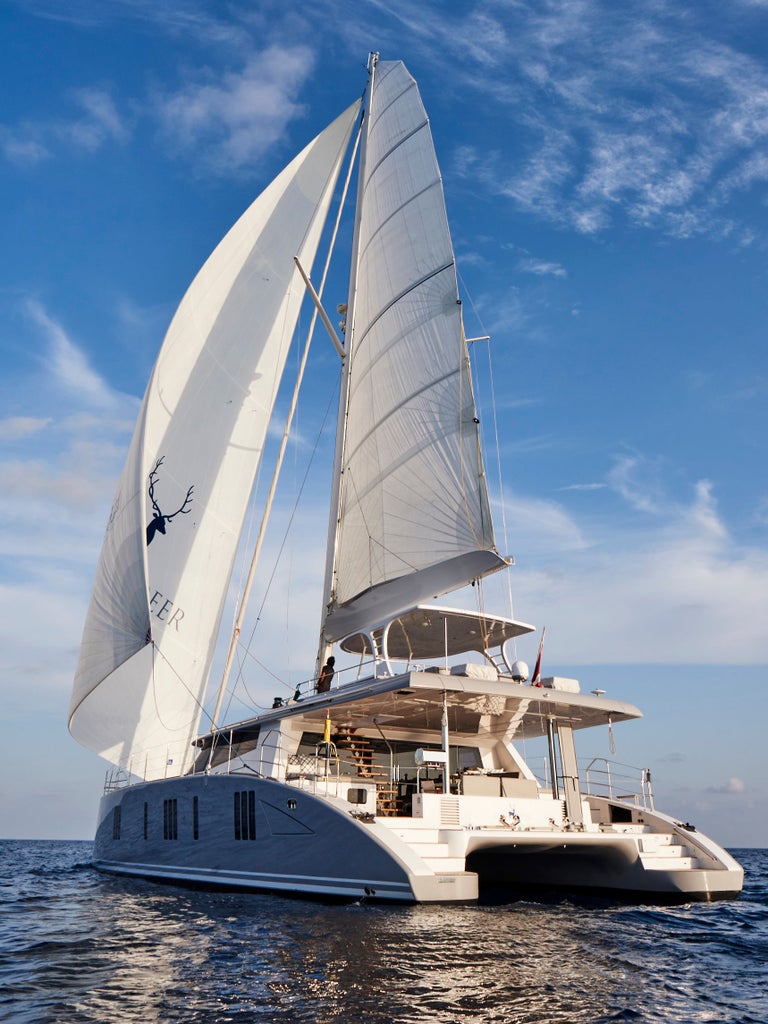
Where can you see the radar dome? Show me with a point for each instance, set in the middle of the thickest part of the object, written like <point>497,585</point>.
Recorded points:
<point>519,671</point>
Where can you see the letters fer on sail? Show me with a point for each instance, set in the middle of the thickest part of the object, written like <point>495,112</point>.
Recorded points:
<point>155,609</point>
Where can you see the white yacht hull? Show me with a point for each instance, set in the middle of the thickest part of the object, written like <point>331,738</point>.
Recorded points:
<point>202,830</point>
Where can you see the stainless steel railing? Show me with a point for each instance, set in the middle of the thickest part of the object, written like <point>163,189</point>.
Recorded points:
<point>618,781</point>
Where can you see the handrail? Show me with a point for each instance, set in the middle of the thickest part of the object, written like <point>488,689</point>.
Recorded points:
<point>618,781</point>
<point>306,687</point>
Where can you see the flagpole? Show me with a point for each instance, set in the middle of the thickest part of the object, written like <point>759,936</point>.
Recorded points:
<point>536,677</point>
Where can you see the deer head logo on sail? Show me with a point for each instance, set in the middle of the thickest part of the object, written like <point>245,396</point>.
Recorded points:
<point>158,524</point>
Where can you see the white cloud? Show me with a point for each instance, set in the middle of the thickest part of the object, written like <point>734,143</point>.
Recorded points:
<point>99,122</point>
<point>545,525</point>
<point>18,148</point>
<point>15,427</point>
<point>732,786</point>
<point>655,580</point>
<point>541,268</point>
<point>636,112</point>
<point>67,363</point>
<point>231,120</point>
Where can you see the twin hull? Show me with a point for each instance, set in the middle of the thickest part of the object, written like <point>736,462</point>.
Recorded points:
<point>251,833</point>
<point>259,834</point>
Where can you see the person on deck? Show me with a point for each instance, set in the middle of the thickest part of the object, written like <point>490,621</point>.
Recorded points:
<point>325,677</point>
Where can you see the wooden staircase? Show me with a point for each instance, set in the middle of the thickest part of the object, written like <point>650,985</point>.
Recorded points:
<point>361,755</point>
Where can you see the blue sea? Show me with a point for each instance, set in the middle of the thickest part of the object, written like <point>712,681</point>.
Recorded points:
<point>80,946</point>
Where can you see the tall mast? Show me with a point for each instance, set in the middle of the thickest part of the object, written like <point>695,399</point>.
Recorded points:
<point>333,525</point>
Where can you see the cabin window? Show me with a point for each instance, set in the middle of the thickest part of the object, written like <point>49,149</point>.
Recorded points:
<point>357,796</point>
<point>146,819</point>
<point>195,819</point>
<point>620,815</point>
<point>245,814</point>
<point>117,814</point>
<point>170,819</point>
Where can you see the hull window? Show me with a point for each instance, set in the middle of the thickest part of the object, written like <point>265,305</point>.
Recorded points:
<point>146,819</point>
<point>116,816</point>
<point>195,819</point>
<point>170,819</point>
<point>245,814</point>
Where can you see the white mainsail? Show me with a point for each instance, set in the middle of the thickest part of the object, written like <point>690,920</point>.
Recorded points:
<point>172,535</point>
<point>413,514</point>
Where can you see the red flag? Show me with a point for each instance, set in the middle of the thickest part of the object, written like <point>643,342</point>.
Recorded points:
<point>536,677</point>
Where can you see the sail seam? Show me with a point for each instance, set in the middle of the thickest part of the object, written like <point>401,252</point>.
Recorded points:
<point>395,409</point>
<point>414,131</point>
<point>393,340</point>
<point>416,449</point>
<point>401,295</point>
<point>400,208</point>
<point>382,112</point>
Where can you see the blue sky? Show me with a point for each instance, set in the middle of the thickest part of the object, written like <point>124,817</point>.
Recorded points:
<point>606,173</point>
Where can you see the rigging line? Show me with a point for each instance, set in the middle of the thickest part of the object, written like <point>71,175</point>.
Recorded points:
<point>246,547</point>
<point>292,517</point>
<point>252,703</point>
<point>246,651</point>
<point>465,370</point>
<point>494,413</point>
<point>157,652</point>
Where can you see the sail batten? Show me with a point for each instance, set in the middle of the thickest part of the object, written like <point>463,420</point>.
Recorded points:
<point>403,294</point>
<point>400,142</point>
<point>170,544</point>
<point>413,514</point>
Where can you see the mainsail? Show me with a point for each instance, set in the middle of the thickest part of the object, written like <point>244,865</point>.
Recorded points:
<point>172,535</point>
<point>413,517</point>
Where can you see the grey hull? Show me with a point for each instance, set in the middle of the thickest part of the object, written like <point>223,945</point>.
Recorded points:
<point>283,839</point>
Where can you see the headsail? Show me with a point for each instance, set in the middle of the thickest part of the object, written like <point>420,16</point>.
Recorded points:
<point>172,536</point>
<point>413,515</point>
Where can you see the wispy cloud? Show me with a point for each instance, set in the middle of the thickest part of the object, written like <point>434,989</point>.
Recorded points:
<point>68,364</point>
<point>651,580</point>
<point>633,112</point>
<point>16,427</point>
<point>733,786</point>
<point>231,120</point>
<point>96,123</point>
<point>542,268</point>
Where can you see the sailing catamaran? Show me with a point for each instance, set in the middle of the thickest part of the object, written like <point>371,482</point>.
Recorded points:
<point>402,779</point>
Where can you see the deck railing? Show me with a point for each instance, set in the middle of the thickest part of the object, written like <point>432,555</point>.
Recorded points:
<point>618,781</point>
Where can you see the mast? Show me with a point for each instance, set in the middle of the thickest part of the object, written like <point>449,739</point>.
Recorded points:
<point>333,523</point>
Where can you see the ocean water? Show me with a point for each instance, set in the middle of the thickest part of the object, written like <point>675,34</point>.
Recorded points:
<point>80,946</point>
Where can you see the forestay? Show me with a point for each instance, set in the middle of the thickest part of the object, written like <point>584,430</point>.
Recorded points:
<point>173,531</point>
<point>413,518</point>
